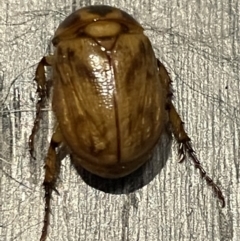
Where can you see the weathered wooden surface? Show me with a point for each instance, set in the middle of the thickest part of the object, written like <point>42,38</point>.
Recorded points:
<point>199,44</point>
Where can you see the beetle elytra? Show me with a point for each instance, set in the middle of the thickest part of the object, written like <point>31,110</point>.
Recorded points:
<point>111,98</point>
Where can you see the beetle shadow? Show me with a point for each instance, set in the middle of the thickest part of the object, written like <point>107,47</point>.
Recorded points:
<point>136,180</point>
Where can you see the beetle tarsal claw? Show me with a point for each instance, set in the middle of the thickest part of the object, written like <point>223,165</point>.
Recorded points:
<point>55,190</point>
<point>181,152</point>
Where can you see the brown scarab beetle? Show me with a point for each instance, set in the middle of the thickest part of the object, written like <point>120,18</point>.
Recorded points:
<point>111,98</point>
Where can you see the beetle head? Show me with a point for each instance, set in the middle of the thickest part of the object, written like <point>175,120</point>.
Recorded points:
<point>99,21</point>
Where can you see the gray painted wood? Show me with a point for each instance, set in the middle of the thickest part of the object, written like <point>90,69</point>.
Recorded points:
<point>198,41</point>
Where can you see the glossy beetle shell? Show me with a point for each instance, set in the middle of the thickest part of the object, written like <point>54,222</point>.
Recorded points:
<point>107,96</point>
<point>111,98</point>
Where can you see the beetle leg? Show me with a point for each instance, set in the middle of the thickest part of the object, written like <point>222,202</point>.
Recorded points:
<point>42,90</point>
<point>52,169</point>
<point>166,81</point>
<point>183,140</point>
<point>185,146</point>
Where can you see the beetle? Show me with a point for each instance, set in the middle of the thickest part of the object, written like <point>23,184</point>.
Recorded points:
<point>111,97</point>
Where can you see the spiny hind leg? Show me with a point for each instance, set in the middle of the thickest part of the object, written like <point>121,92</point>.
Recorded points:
<point>181,136</point>
<point>166,81</point>
<point>52,169</point>
<point>42,90</point>
<point>185,147</point>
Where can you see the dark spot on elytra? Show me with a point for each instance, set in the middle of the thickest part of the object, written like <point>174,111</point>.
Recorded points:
<point>71,20</point>
<point>137,63</point>
<point>140,109</point>
<point>149,75</point>
<point>142,48</point>
<point>101,10</point>
<point>132,72</point>
<point>70,53</point>
<point>60,54</point>
<point>83,70</point>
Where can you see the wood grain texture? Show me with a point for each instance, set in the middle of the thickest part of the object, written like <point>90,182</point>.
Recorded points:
<point>199,45</point>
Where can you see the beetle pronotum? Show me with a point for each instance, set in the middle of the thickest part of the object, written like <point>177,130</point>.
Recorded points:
<point>111,98</point>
